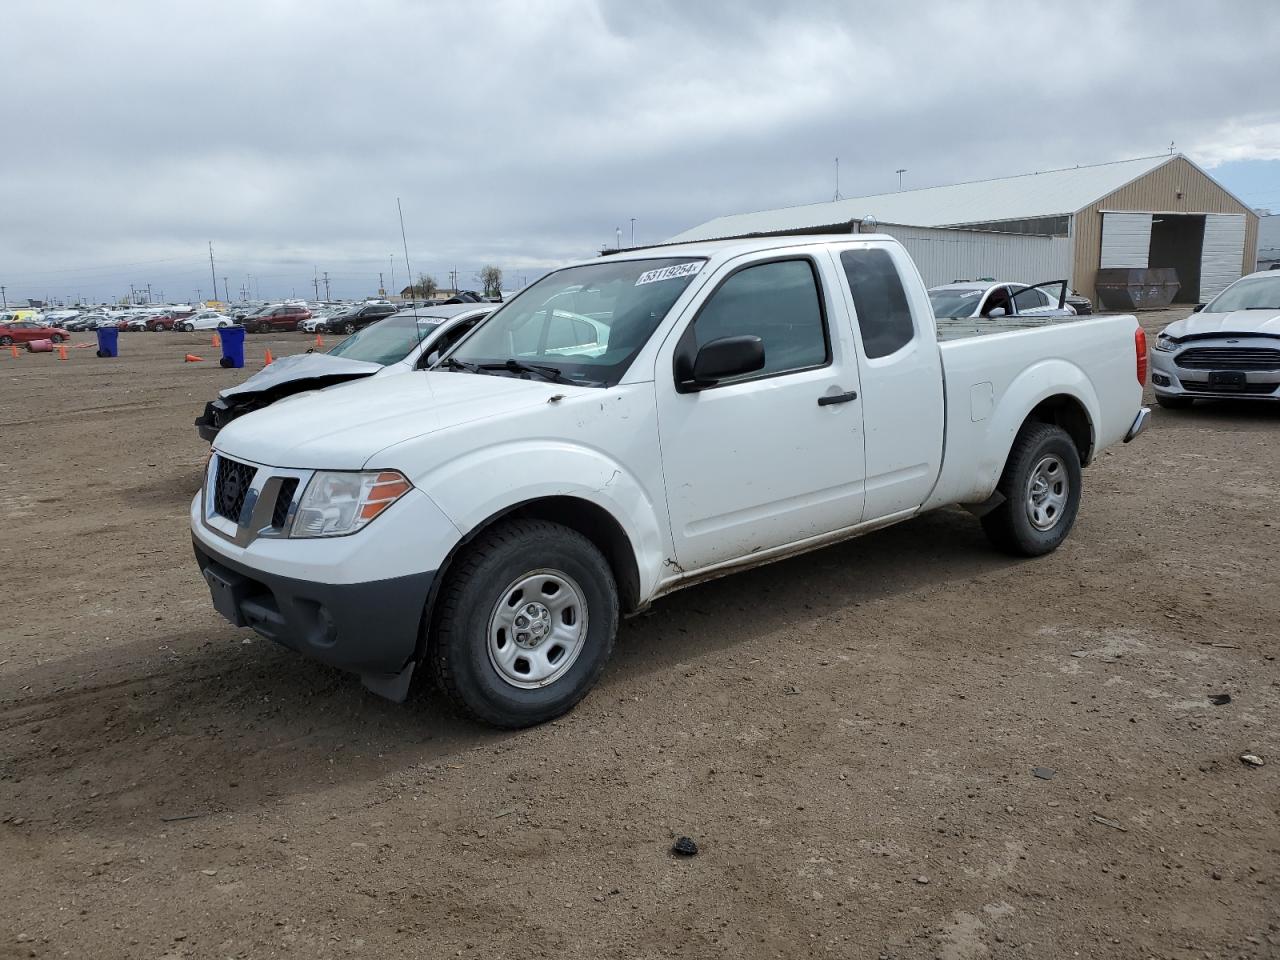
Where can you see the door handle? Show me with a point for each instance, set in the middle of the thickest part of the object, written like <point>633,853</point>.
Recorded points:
<point>837,398</point>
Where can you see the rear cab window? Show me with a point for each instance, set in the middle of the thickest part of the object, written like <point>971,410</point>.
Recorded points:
<point>884,313</point>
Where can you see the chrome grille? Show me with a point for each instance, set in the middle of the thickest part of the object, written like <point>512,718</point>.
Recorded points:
<point>230,487</point>
<point>1229,358</point>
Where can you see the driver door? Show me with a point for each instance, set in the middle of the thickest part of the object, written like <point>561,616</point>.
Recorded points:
<point>771,457</point>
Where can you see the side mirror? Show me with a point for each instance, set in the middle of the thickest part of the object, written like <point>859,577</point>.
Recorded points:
<point>724,358</point>
<point>997,312</point>
<point>1197,308</point>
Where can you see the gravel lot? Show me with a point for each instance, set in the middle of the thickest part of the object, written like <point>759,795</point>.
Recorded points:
<point>849,736</point>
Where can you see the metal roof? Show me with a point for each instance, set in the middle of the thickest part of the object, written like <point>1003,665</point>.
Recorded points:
<point>1049,194</point>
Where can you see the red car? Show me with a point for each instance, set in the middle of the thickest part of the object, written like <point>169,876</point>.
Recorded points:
<point>24,331</point>
<point>284,317</point>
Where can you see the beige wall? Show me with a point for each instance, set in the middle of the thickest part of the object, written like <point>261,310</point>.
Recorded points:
<point>1157,192</point>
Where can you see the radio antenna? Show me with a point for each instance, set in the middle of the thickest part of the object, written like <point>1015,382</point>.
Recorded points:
<point>417,327</point>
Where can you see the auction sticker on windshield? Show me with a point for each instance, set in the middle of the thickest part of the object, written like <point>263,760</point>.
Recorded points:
<point>669,273</point>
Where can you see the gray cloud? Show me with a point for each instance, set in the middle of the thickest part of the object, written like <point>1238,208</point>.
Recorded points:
<point>523,133</point>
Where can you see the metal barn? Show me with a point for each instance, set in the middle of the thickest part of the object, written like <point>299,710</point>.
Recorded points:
<point>1151,212</point>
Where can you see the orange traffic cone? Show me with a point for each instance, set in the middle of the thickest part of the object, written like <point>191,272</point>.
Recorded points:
<point>319,340</point>
<point>62,352</point>
<point>267,360</point>
<point>192,358</point>
<point>13,348</point>
<point>215,341</point>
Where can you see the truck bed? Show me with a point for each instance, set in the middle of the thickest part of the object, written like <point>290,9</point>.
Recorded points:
<point>961,328</point>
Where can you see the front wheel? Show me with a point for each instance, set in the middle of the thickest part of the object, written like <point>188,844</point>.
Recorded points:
<point>527,620</point>
<point>1041,485</point>
<point>56,338</point>
<point>6,341</point>
<point>1174,403</point>
<point>348,328</point>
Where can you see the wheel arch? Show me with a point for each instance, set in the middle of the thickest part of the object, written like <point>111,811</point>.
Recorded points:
<point>1068,412</point>
<point>577,513</point>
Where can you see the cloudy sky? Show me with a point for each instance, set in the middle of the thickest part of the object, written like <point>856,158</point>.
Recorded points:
<point>524,133</point>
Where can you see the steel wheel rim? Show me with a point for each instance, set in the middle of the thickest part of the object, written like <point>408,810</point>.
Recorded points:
<point>537,629</point>
<point>1048,490</point>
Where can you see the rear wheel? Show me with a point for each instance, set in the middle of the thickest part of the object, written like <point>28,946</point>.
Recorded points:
<point>348,327</point>
<point>56,338</point>
<point>1174,403</point>
<point>6,341</point>
<point>1041,485</point>
<point>526,623</point>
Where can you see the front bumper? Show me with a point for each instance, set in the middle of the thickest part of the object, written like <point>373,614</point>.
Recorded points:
<point>216,416</point>
<point>355,602</point>
<point>367,628</point>
<point>1170,379</point>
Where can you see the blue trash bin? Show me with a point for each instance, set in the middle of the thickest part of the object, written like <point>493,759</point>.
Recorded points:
<point>108,342</point>
<point>232,346</point>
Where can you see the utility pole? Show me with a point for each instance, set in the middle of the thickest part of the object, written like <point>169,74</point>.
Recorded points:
<point>837,195</point>
<point>226,291</point>
<point>900,171</point>
<point>132,296</point>
<point>212,273</point>
<point>315,280</point>
<point>633,231</point>
<point>326,285</point>
<point>392,258</point>
<point>382,291</point>
<point>149,300</point>
<point>4,297</point>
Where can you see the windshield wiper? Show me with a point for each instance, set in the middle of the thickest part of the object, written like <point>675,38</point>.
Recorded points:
<point>449,363</point>
<point>519,366</point>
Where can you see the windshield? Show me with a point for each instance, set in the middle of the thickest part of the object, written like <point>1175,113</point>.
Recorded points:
<point>386,341</point>
<point>1258,293</point>
<point>587,323</point>
<point>954,303</point>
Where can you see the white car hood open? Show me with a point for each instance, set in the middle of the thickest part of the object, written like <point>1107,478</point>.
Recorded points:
<point>302,366</point>
<point>1245,322</point>
<point>342,429</point>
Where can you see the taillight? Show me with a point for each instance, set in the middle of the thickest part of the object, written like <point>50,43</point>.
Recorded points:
<point>1140,349</point>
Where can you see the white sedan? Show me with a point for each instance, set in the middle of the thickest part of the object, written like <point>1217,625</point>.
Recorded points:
<point>205,320</point>
<point>1229,347</point>
<point>991,299</point>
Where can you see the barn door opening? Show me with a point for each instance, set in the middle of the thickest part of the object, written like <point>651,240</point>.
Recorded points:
<point>1177,241</point>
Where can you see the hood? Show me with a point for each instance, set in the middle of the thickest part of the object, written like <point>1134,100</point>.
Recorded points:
<point>300,368</point>
<point>1247,322</point>
<point>342,429</point>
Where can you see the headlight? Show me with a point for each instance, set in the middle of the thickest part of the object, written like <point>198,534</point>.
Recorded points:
<point>338,503</point>
<point>1166,344</point>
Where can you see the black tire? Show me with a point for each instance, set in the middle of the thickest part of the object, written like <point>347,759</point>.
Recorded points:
<point>459,651</point>
<point>1174,403</point>
<point>56,338</point>
<point>1009,527</point>
<point>6,341</point>
<point>348,328</point>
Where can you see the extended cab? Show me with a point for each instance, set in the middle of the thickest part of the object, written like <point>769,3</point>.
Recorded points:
<point>635,424</point>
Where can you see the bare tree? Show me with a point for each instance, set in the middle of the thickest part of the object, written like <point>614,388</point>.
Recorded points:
<point>491,277</point>
<point>426,287</point>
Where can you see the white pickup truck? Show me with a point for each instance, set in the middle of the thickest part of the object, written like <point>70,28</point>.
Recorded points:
<point>635,424</point>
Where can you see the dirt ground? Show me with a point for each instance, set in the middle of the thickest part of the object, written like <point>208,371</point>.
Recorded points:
<point>850,737</point>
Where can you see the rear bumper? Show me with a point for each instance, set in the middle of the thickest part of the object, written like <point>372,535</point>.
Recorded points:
<point>1139,424</point>
<point>367,628</point>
